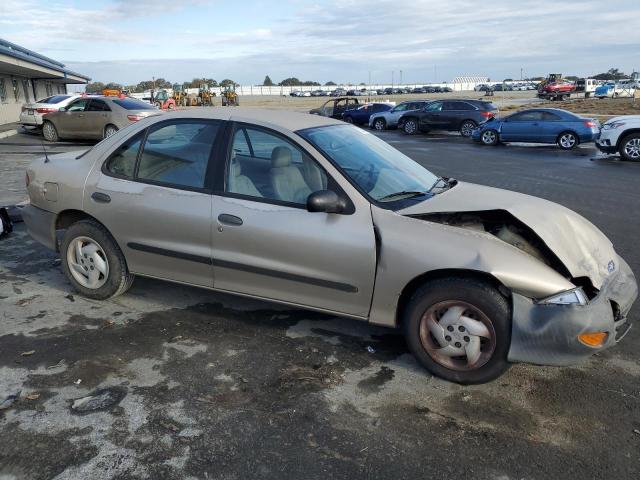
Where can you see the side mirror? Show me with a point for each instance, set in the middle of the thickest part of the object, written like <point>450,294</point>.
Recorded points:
<point>326,201</point>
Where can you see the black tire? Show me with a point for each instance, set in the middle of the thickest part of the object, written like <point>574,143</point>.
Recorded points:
<point>481,296</point>
<point>467,127</point>
<point>629,147</point>
<point>490,137</point>
<point>568,140</point>
<point>348,119</point>
<point>379,124</point>
<point>109,130</point>
<point>118,280</point>
<point>410,126</point>
<point>50,132</point>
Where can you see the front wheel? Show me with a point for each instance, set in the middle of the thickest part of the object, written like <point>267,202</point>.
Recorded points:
<point>489,137</point>
<point>93,262</point>
<point>467,128</point>
<point>379,124</point>
<point>49,131</point>
<point>459,329</point>
<point>567,140</point>
<point>630,147</point>
<point>110,130</point>
<point>410,127</point>
<point>348,119</point>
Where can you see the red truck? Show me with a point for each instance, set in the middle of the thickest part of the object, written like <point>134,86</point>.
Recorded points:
<point>557,90</point>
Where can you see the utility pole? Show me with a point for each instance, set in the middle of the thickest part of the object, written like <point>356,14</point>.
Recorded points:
<point>521,74</point>
<point>392,77</point>
<point>369,78</point>
<point>400,77</point>
<point>435,74</point>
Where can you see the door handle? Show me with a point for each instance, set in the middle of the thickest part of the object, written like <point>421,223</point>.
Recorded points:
<point>228,219</point>
<point>100,197</point>
<point>80,115</point>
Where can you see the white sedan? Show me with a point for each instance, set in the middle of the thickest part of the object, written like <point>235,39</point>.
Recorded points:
<point>32,113</point>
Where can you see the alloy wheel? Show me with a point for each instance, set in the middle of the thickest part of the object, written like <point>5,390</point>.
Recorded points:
<point>378,124</point>
<point>457,335</point>
<point>467,129</point>
<point>110,130</point>
<point>87,262</point>
<point>488,137</point>
<point>567,140</point>
<point>632,148</point>
<point>49,131</point>
<point>410,127</point>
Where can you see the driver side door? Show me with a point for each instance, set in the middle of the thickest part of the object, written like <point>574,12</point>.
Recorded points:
<point>431,117</point>
<point>71,122</point>
<point>265,242</point>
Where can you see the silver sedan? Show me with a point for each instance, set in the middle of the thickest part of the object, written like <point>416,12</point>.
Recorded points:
<point>389,119</point>
<point>310,211</point>
<point>94,117</point>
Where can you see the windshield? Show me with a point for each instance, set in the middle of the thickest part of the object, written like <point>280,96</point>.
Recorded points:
<point>379,170</point>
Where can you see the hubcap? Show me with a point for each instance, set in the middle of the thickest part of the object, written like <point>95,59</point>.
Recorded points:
<point>110,131</point>
<point>48,130</point>
<point>632,148</point>
<point>567,140</point>
<point>379,124</point>
<point>87,262</point>
<point>467,129</point>
<point>488,137</point>
<point>410,127</point>
<point>457,335</point>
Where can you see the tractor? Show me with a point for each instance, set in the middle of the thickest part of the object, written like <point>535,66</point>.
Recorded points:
<point>163,101</point>
<point>179,95</point>
<point>229,96</point>
<point>205,97</point>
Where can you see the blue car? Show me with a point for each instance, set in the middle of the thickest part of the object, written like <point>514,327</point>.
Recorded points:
<point>361,115</point>
<point>539,125</point>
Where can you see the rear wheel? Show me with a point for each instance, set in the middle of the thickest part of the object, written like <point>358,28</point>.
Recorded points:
<point>459,329</point>
<point>467,127</point>
<point>110,130</point>
<point>567,140</point>
<point>630,147</point>
<point>93,262</point>
<point>410,126</point>
<point>49,131</point>
<point>379,124</point>
<point>489,137</point>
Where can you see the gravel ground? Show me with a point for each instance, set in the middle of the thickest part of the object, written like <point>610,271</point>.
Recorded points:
<point>174,382</point>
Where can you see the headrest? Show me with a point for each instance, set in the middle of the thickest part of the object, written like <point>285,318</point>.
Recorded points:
<point>236,169</point>
<point>280,157</point>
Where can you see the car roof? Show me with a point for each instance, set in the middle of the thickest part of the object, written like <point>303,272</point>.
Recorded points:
<point>288,120</point>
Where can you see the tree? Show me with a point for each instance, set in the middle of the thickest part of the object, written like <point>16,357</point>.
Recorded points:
<point>290,82</point>
<point>611,74</point>
<point>267,81</point>
<point>113,86</point>
<point>226,82</point>
<point>196,82</point>
<point>94,87</point>
<point>508,80</point>
<point>330,84</point>
<point>362,84</point>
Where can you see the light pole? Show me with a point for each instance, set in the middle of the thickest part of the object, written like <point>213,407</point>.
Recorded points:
<point>392,77</point>
<point>400,77</point>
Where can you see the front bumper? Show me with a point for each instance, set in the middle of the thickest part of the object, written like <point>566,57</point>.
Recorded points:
<point>40,225</point>
<point>607,141</point>
<point>548,334</point>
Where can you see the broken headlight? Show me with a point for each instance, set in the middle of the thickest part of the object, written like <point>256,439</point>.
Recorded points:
<point>575,296</point>
<point>613,125</point>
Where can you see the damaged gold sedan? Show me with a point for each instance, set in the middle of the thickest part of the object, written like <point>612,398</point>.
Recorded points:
<point>309,211</point>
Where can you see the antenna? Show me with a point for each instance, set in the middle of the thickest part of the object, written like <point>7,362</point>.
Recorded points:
<point>46,157</point>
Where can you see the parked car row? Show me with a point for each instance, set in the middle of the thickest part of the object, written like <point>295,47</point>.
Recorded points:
<point>368,92</point>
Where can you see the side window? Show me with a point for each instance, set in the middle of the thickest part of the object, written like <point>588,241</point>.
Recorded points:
<point>98,106</point>
<point>177,154</point>
<point>274,169</point>
<point>401,108</point>
<point>434,107</point>
<point>449,106</point>
<point>526,117</point>
<point>78,105</point>
<point>3,91</point>
<point>550,117</point>
<point>464,106</point>
<point>122,162</point>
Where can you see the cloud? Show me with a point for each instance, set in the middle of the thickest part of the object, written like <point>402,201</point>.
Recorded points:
<point>340,40</point>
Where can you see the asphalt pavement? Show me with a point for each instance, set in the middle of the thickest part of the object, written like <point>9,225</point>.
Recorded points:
<point>174,382</point>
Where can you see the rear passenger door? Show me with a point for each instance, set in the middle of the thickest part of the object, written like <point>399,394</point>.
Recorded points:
<point>96,117</point>
<point>153,195</point>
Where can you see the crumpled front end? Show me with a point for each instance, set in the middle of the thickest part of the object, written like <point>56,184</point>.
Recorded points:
<point>549,334</point>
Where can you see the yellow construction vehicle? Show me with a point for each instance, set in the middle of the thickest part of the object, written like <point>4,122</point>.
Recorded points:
<point>229,96</point>
<point>179,95</point>
<point>205,97</point>
<point>551,78</point>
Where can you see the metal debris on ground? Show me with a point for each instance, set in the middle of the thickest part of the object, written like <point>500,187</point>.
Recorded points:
<point>59,364</point>
<point>32,396</point>
<point>636,431</point>
<point>370,349</point>
<point>10,400</point>
<point>78,381</point>
<point>26,354</point>
<point>98,400</point>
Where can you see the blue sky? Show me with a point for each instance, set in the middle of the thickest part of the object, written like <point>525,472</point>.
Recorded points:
<point>344,41</point>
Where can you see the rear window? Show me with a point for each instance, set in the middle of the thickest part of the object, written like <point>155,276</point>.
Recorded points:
<point>133,104</point>
<point>488,106</point>
<point>55,99</point>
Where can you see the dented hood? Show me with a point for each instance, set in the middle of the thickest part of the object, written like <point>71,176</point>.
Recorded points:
<point>581,247</point>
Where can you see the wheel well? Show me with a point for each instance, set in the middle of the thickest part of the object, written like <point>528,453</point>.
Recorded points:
<point>568,131</point>
<point>66,218</point>
<point>625,134</point>
<point>413,285</point>
<point>468,120</point>
<point>403,120</point>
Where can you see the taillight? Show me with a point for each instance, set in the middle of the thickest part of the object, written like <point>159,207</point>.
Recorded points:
<point>26,178</point>
<point>590,124</point>
<point>486,114</point>
<point>46,110</point>
<point>135,118</point>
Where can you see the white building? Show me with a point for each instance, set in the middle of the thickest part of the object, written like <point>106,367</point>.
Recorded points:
<point>27,76</point>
